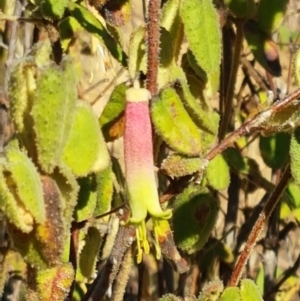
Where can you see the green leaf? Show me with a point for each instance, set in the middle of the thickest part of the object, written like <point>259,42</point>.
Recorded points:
<point>26,183</point>
<point>85,150</point>
<point>105,189</point>
<point>115,105</point>
<point>270,14</point>
<point>204,117</point>
<point>89,254</point>
<point>235,159</point>
<point>173,123</point>
<point>263,48</point>
<point>217,173</point>
<point>53,9</point>
<point>199,210</point>
<point>55,283</point>
<point>293,192</point>
<point>137,51</point>
<point>177,165</point>
<point>69,27</point>
<point>275,149</point>
<point>241,8</point>
<point>92,25</point>
<point>249,291</point>
<point>53,112</point>
<point>285,120</point>
<point>295,155</point>
<point>231,294</point>
<point>87,198</point>
<point>201,26</point>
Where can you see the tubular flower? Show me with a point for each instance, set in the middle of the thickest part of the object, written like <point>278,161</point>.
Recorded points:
<point>139,168</point>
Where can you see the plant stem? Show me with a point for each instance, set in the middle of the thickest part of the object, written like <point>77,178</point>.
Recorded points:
<point>235,62</point>
<point>259,224</point>
<point>153,45</point>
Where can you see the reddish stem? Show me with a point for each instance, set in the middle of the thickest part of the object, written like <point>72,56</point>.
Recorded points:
<point>258,226</point>
<point>153,45</point>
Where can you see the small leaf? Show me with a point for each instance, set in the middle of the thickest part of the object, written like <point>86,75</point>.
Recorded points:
<point>173,123</point>
<point>105,189</point>
<point>87,198</point>
<point>275,149</point>
<point>86,140</point>
<point>201,26</point>
<point>177,165</point>
<point>235,159</point>
<point>55,283</point>
<point>217,173</point>
<point>92,25</point>
<point>137,51</point>
<point>231,294</point>
<point>51,235</point>
<point>295,155</point>
<point>89,254</point>
<point>285,120</point>
<point>249,291</point>
<point>211,290</point>
<point>53,9</point>
<point>263,48</point>
<point>293,192</point>
<point>270,14</point>
<point>26,183</point>
<point>199,210</point>
<point>69,28</point>
<point>115,105</point>
<point>53,111</point>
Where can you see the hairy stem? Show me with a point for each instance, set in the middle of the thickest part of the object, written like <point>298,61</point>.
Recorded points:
<point>153,45</point>
<point>258,226</point>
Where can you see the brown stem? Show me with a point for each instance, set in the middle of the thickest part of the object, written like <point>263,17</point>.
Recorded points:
<point>235,62</point>
<point>153,45</point>
<point>252,125</point>
<point>258,226</point>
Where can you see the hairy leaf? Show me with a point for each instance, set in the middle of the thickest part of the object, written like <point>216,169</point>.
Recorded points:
<point>53,112</point>
<point>173,123</point>
<point>85,150</point>
<point>177,165</point>
<point>87,198</point>
<point>295,155</point>
<point>231,294</point>
<point>249,291</point>
<point>201,26</point>
<point>115,105</point>
<point>199,209</point>
<point>55,283</point>
<point>89,255</point>
<point>217,173</point>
